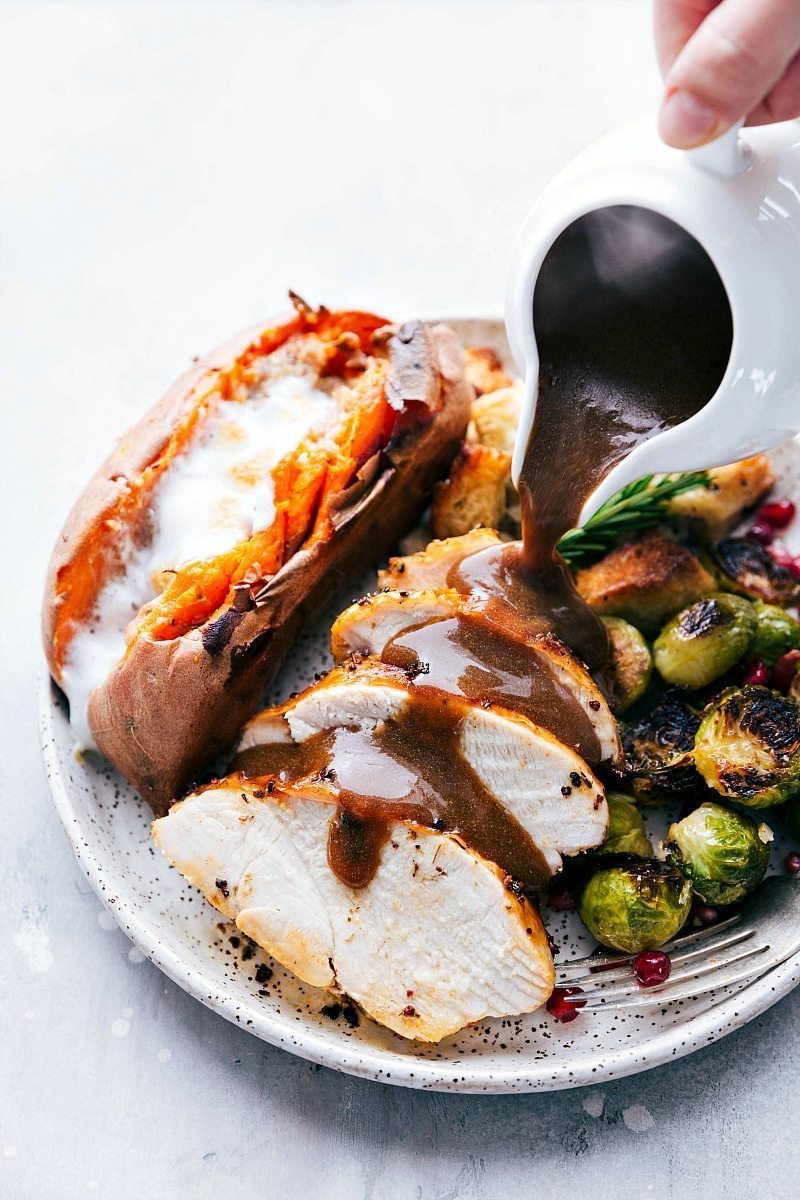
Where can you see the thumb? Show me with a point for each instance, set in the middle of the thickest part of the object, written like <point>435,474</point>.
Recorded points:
<point>727,67</point>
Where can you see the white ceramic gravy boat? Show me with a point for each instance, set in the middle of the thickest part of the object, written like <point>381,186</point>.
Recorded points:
<point>739,198</point>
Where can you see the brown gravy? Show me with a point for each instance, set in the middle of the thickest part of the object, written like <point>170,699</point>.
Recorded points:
<point>634,333</point>
<point>407,769</point>
<point>472,656</point>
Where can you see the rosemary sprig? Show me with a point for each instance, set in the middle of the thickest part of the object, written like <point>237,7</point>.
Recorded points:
<point>640,505</point>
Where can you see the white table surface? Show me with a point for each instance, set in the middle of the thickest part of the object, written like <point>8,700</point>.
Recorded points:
<point>169,169</point>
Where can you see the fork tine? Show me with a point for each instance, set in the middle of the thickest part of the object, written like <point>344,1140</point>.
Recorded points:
<point>694,971</point>
<point>713,947</point>
<point>696,935</point>
<point>625,971</point>
<point>750,965</point>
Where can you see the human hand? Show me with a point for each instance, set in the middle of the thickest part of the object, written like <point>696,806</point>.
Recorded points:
<point>723,60</point>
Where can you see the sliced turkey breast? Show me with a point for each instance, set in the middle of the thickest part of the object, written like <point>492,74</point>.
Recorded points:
<point>434,942</point>
<point>464,649</point>
<point>375,620</point>
<point>380,740</point>
<point>431,567</point>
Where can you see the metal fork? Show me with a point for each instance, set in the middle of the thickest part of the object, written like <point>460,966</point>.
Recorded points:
<point>743,947</point>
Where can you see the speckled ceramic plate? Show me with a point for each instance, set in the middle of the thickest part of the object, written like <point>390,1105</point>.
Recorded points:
<point>109,829</point>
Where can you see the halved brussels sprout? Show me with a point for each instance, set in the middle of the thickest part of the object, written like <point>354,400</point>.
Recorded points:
<point>630,663</point>
<point>748,746</point>
<point>635,904</point>
<point>723,853</point>
<point>626,833</point>
<point>659,751</point>
<point>704,640</point>
<point>777,632</point>
<point>745,566</point>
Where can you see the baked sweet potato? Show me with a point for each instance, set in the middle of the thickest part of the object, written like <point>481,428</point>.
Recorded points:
<point>213,528</point>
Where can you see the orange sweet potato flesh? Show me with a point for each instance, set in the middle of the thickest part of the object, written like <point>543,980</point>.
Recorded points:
<point>174,704</point>
<point>303,481</point>
<point>196,592</point>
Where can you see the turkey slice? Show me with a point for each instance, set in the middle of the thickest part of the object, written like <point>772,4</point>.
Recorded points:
<point>469,651</point>
<point>430,568</point>
<point>542,786</point>
<point>434,942</point>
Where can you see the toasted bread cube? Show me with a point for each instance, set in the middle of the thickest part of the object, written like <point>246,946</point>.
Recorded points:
<point>733,489</point>
<point>645,581</point>
<point>475,493</point>
<point>494,418</point>
<point>484,369</point>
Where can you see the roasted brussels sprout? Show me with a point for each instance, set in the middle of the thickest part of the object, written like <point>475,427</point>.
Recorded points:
<point>635,904</point>
<point>748,746</point>
<point>704,640</point>
<point>777,632</point>
<point>630,663</point>
<point>744,565</point>
<point>626,833</point>
<point>659,751</point>
<point>723,853</point>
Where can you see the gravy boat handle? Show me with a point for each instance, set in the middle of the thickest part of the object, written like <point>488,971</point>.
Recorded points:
<point>727,156</point>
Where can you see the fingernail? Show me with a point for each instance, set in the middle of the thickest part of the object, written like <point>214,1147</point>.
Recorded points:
<point>685,121</point>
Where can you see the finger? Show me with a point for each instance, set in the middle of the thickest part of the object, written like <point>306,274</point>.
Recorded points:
<point>674,22</point>
<point>783,102</point>
<point>727,67</point>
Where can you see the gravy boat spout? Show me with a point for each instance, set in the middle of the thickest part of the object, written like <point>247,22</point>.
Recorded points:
<point>736,203</point>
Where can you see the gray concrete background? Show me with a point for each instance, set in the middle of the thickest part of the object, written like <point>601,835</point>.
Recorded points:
<point>168,170</point>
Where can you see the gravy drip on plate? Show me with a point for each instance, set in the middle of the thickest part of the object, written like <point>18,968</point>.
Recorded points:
<point>409,768</point>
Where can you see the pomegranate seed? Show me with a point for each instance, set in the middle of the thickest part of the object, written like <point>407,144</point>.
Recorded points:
<point>561,898</point>
<point>652,967</point>
<point>756,673</point>
<point>784,669</point>
<point>704,914</point>
<point>762,532</point>
<point>778,514</point>
<point>792,863</point>
<point>559,1006</point>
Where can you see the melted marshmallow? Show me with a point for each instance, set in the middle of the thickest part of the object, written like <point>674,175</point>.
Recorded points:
<point>215,494</point>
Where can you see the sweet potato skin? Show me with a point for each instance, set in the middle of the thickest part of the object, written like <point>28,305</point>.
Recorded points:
<point>172,707</point>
